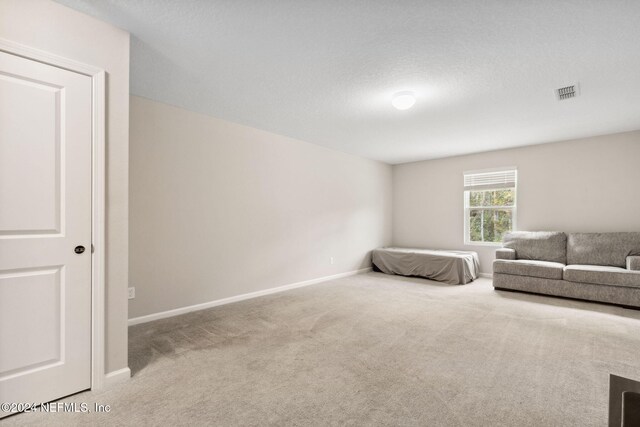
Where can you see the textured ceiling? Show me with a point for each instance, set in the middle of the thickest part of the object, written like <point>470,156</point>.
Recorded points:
<point>324,71</point>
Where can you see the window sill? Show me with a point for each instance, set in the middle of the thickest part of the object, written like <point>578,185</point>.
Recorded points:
<point>490,244</point>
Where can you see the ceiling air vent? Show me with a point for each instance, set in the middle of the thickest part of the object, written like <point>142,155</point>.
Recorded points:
<point>567,92</point>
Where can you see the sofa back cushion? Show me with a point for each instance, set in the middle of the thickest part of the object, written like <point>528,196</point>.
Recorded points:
<point>538,245</point>
<point>602,248</point>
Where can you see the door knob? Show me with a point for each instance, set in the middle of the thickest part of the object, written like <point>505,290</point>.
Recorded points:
<point>79,249</point>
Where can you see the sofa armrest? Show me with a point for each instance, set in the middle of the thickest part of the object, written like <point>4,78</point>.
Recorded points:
<point>505,253</point>
<point>633,263</point>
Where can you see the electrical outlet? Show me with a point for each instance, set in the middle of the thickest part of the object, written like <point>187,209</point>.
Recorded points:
<point>331,259</point>
<point>132,293</point>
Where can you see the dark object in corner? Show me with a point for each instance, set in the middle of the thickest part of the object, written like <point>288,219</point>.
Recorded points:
<point>630,409</point>
<point>624,402</point>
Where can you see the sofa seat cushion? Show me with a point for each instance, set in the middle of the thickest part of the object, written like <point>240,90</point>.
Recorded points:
<point>522,267</point>
<point>602,275</point>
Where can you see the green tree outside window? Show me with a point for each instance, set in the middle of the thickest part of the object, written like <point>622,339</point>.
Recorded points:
<point>490,214</point>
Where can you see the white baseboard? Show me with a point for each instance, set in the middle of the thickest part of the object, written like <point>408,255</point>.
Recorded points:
<point>486,275</point>
<point>242,297</point>
<point>117,377</point>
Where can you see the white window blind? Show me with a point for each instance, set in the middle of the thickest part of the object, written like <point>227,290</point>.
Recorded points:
<point>490,180</point>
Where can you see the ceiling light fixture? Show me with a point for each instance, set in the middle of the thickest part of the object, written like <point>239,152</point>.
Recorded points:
<point>403,100</point>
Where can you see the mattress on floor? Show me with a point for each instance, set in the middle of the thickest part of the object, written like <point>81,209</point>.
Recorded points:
<point>452,267</point>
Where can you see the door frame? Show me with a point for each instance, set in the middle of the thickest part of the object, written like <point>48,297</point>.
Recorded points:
<point>98,201</point>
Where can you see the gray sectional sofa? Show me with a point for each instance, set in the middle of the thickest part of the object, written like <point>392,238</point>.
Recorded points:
<point>603,267</point>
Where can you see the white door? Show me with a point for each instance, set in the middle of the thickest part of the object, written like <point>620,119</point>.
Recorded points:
<point>45,213</point>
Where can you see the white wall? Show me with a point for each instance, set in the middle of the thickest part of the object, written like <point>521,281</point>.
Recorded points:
<point>590,185</point>
<point>219,209</point>
<point>48,26</point>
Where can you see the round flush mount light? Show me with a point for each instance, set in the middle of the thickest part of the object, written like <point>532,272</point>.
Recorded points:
<point>403,100</point>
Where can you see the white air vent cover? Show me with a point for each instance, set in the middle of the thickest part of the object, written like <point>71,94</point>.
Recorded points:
<point>567,92</point>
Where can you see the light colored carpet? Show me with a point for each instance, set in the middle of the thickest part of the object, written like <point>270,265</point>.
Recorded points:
<point>374,350</point>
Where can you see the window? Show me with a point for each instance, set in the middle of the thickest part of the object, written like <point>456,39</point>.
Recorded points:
<point>489,205</point>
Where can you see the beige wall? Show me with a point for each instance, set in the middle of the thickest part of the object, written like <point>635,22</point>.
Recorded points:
<point>219,209</point>
<point>48,26</point>
<point>588,185</point>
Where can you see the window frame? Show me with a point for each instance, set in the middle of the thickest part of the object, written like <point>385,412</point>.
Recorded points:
<point>468,208</point>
